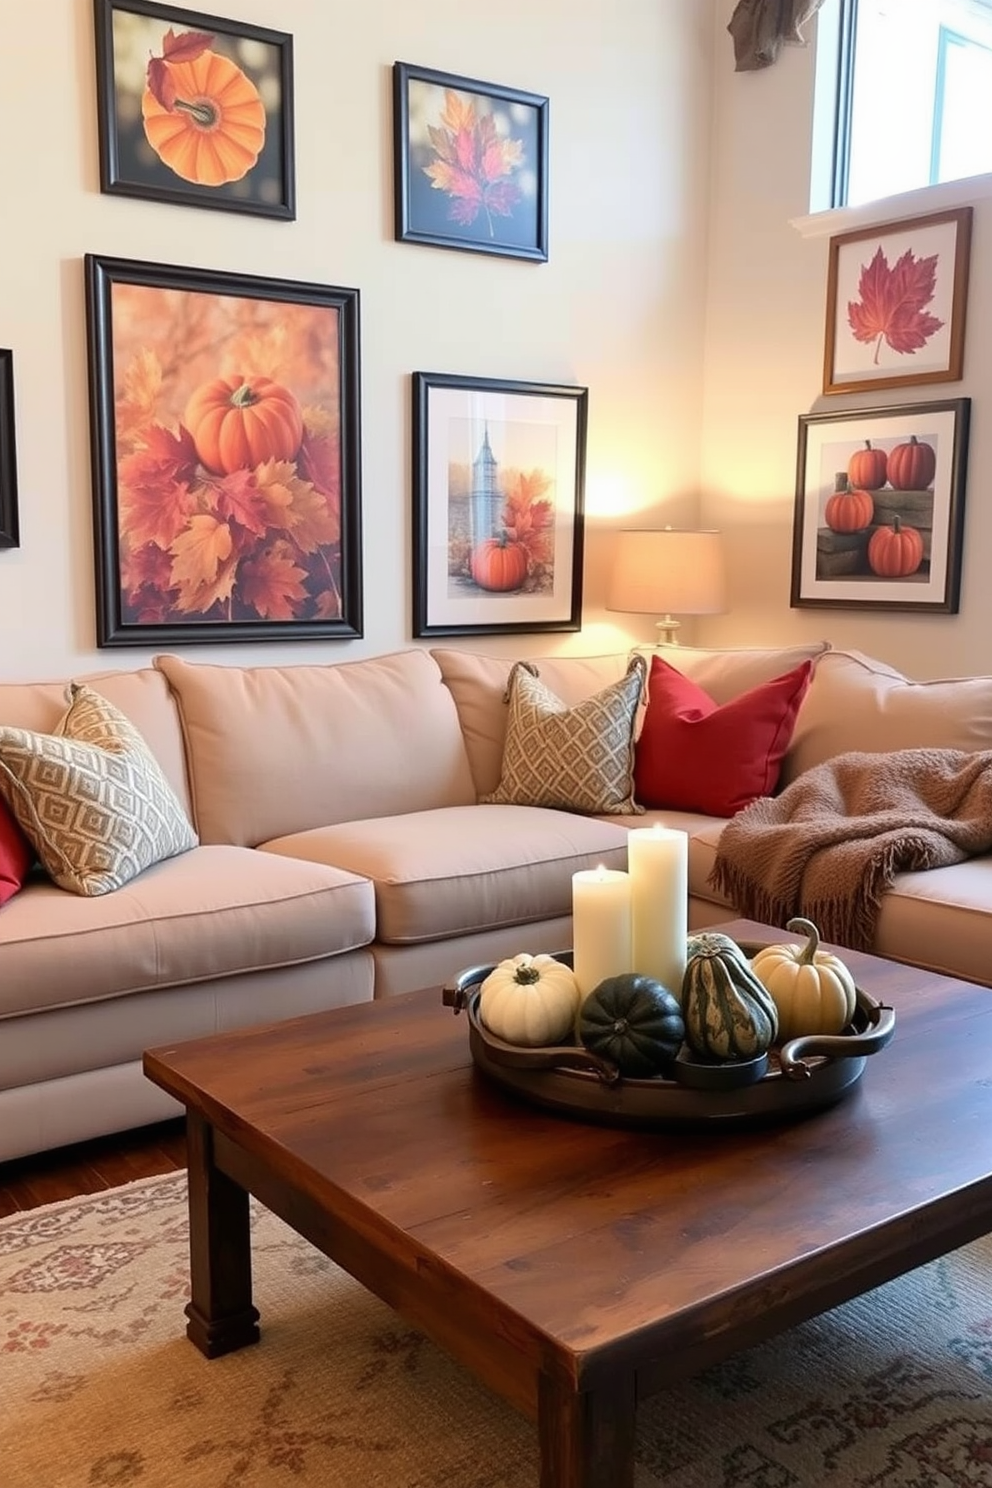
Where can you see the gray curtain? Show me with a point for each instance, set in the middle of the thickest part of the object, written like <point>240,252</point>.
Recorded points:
<point>761,27</point>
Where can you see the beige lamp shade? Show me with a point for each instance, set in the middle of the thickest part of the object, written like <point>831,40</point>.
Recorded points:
<point>666,572</point>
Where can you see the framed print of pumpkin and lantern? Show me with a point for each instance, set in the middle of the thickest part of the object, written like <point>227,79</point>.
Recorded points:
<point>498,485</point>
<point>225,425</point>
<point>879,513</point>
<point>194,109</point>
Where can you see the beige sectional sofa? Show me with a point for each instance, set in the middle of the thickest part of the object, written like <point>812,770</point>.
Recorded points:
<point>343,854</point>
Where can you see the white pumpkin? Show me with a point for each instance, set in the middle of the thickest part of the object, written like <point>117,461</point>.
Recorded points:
<point>530,1000</point>
<point>813,990</point>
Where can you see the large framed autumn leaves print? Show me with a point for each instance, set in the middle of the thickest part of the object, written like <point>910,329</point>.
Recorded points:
<point>194,109</point>
<point>225,437</point>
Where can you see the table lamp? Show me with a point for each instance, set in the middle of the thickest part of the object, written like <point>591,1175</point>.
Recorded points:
<point>666,572</point>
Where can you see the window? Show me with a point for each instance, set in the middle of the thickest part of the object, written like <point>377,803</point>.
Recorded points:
<point>911,85</point>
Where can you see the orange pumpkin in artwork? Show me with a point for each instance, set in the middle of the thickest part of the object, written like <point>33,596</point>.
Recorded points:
<point>895,552</point>
<point>499,565</point>
<point>238,422</point>
<point>912,466</point>
<point>848,510</point>
<point>868,467</point>
<point>215,129</point>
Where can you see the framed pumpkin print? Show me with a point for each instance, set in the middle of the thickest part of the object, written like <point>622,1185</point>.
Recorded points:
<point>224,413</point>
<point>9,535</point>
<point>896,302</point>
<point>470,164</point>
<point>194,109</point>
<point>498,483</point>
<point>879,516</point>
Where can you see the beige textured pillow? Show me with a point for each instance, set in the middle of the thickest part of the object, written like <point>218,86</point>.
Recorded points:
<point>91,798</point>
<point>575,759</point>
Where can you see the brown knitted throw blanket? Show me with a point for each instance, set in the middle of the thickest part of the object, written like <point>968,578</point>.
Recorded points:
<point>832,842</point>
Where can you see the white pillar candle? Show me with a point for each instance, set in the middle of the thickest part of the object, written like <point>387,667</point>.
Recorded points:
<point>601,926</point>
<point>658,858</point>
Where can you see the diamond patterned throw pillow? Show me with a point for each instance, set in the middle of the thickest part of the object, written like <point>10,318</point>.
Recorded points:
<point>574,759</point>
<point>91,798</point>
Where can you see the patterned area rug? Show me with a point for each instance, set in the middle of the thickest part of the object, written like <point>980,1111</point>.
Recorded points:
<point>100,1389</point>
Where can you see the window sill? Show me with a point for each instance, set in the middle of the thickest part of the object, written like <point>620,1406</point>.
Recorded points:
<point>946,194</point>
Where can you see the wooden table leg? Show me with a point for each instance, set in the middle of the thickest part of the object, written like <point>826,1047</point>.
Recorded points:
<point>587,1440</point>
<point>221,1315</point>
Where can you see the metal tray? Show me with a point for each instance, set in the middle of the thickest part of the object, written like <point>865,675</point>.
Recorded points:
<point>803,1075</point>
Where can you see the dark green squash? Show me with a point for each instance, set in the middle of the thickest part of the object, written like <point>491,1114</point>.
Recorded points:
<point>634,1022</point>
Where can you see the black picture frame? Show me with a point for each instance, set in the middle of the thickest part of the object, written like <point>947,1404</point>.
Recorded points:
<point>9,529</point>
<point>503,208</point>
<point>854,493</point>
<point>177,358</point>
<point>148,132</point>
<point>497,465</point>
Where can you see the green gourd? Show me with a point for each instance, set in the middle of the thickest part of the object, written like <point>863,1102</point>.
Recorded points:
<point>634,1022</point>
<point>728,1012</point>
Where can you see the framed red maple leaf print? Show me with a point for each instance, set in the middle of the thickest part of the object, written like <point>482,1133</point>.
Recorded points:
<point>194,109</point>
<point>879,518</point>
<point>498,480</point>
<point>471,164</point>
<point>224,412</point>
<point>896,298</point>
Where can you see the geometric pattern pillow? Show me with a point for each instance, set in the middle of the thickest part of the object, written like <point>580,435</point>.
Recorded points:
<point>572,759</point>
<point>91,798</point>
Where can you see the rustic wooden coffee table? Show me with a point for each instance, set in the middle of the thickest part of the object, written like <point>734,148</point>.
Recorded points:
<point>577,1268</point>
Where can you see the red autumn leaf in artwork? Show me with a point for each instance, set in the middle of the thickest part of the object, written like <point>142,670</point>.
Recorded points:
<point>892,304</point>
<point>185,46</point>
<point>473,164</point>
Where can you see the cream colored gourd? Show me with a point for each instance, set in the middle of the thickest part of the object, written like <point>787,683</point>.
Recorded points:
<point>530,1000</point>
<point>812,989</point>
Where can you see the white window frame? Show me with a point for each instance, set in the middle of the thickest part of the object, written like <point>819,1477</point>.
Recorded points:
<point>828,84</point>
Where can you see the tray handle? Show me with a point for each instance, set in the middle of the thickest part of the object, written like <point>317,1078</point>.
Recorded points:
<point>462,992</point>
<point>881,1026</point>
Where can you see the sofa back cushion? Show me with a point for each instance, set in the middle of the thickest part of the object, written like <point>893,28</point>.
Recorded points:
<point>142,695</point>
<point>479,684</point>
<point>855,702</point>
<point>281,749</point>
<point>724,675</point>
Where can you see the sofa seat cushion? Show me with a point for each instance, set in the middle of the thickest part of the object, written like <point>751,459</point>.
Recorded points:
<point>214,912</point>
<point>462,869</point>
<point>941,919</point>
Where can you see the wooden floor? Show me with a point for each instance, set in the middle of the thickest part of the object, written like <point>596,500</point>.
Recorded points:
<point>91,1167</point>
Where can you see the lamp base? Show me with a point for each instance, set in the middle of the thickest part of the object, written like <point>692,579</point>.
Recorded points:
<point>668,631</point>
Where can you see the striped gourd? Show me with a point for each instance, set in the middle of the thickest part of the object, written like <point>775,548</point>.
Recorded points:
<point>728,1012</point>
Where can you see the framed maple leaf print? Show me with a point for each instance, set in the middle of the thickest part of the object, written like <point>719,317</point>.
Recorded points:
<point>879,519</point>
<point>194,109</point>
<point>896,300</point>
<point>224,412</point>
<point>8,464</point>
<point>471,164</point>
<point>498,482</point>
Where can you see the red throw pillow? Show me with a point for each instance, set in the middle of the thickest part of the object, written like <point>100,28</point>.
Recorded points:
<point>695,756</point>
<point>16,855</point>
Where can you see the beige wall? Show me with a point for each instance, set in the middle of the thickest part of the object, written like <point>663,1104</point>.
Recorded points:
<point>763,367</point>
<point>618,308</point>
